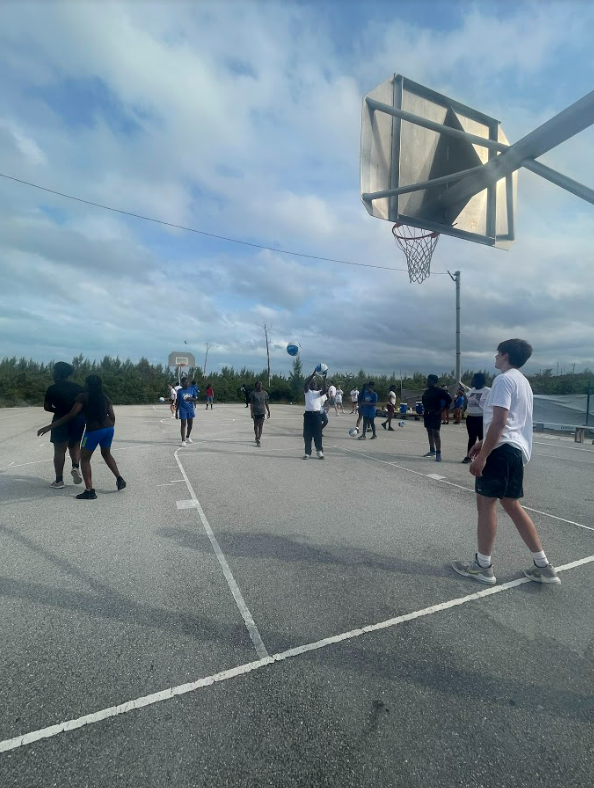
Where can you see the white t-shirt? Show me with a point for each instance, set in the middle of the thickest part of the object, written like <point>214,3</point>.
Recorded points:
<point>338,396</point>
<point>331,391</point>
<point>512,391</point>
<point>355,395</point>
<point>314,401</point>
<point>392,398</point>
<point>476,399</point>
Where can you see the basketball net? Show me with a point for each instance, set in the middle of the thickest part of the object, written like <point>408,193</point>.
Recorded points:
<point>417,248</point>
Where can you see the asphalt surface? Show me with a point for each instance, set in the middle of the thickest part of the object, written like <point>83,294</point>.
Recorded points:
<point>239,565</point>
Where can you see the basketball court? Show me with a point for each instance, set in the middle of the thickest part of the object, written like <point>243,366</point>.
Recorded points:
<point>238,616</point>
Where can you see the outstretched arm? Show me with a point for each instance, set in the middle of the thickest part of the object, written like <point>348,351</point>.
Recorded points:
<point>73,413</point>
<point>308,381</point>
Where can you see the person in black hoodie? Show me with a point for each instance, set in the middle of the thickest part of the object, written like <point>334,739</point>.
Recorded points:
<point>434,400</point>
<point>59,400</point>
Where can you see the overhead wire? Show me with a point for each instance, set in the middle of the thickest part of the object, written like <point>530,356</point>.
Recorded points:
<point>205,232</point>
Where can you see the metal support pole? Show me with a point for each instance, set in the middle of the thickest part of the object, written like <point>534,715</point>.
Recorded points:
<point>558,129</point>
<point>588,405</point>
<point>456,279</point>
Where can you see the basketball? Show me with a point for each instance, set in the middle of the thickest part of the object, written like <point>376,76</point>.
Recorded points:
<point>321,368</point>
<point>353,432</point>
<point>161,399</point>
<point>292,348</point>
<point>401,423</point>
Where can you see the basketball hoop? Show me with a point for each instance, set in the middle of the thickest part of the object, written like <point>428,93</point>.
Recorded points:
<point>417,248</point>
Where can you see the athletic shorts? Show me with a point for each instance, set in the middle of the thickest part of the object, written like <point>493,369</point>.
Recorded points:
<point>103,438</point>
<point>71,432</point>
<point>259,416</point>
<point>186,413</point>
<point>360,410</point>
<point>503,475</point>
<point>391,409</point>
<point>210,399</point>
<point>432,421</point>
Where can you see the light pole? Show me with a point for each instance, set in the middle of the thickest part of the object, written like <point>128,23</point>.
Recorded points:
<point>456,279</point>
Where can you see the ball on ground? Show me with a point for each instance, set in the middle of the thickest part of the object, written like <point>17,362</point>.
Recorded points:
<point>401,423</point>
<point>353,432</point>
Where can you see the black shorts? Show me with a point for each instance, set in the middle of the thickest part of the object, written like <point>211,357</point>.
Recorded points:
<point>259,416</point>
<point>70,433</point>
<point>432,421</point>
<point>503,475</point>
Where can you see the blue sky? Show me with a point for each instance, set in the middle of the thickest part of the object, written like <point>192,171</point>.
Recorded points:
<point>243,119</point>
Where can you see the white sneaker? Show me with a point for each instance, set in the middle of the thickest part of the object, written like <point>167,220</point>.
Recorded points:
<point>306,456</point>
<point>76,475</point>
<point>189,440</point>
<point>57,485</point>
<point>321,455</point>
<point>184,443</point>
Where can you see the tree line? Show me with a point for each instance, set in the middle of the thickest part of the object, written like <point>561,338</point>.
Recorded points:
<point>24,382</point>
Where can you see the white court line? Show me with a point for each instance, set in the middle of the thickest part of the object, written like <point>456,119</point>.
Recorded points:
<point>234,588</point>
<point>460,486</point>
<point>571,447</point>
<point>241,670</point>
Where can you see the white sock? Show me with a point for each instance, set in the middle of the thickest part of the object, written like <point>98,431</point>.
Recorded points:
<point>540,559</point>
<point>483,561</point>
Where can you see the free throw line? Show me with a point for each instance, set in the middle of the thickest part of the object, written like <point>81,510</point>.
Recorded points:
<point>241,670</point>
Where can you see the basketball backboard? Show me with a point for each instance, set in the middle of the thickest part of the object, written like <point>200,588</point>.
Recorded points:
<point>397,153</point>
<point>182,359</point>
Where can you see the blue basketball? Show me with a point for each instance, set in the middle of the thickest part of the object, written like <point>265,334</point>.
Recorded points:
<point>292,348</point>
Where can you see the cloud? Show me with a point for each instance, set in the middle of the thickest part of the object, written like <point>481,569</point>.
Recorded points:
<point>242,119</point>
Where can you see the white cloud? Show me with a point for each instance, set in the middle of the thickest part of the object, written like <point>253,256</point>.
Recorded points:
<point>243,119</point>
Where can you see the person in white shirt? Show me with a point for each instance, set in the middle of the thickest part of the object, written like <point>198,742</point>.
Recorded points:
<point>391,408</point>
<point>476,397</point>
<point>331,397</point>
<point>338,400</point>
<point>497,463</point>
<point>354,399</point>
<point>312,417</point>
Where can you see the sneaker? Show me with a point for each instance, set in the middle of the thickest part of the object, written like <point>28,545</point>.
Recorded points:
<point>76,475</point>
<point>120,483</point>
<point>306,456</point>
<point>58,485</point>
<point>542,574</point>
<point>87,495</point>
<point>184,443</point>
<point>384,425</point>
<point>391,429</point>
<point>257,443</point>
<point>437,456</point>
<point>362,438</point>
<point>373,437</point>
<point>320,455</point>
<point>474,570</point>
<point>429,454</point>
<point>466,461</point>
<point>189,440</point>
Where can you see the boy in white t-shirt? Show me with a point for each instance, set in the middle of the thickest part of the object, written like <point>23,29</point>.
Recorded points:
<point>312,417</point>
<point>391,408</point>
<point>338,400</point>
<point>354,399</point>
<point>497,463</point>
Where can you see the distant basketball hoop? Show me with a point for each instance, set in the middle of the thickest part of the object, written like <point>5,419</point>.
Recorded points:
<point>418,247</point>
<point>180,361</point>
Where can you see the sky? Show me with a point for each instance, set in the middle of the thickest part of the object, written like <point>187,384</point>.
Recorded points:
<point>242,119</point>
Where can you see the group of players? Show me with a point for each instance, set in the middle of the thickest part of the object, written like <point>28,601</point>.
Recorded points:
<point>499,424</point>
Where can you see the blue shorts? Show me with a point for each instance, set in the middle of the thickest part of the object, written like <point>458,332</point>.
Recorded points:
<point>103,438</point>
<point>210,399</point>
<point>71,432</point>
<point>186,413</point>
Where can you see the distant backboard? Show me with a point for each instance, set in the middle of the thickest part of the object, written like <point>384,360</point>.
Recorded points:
<point>182,359</point>
<point>397,153</point>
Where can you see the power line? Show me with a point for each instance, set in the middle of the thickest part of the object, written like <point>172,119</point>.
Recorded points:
<point>204,232</point>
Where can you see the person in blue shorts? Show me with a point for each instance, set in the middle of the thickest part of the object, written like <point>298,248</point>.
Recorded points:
<point>369,402</point>
<point>187,397</point>
<point>59,400</point>
<point>99,417</point>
